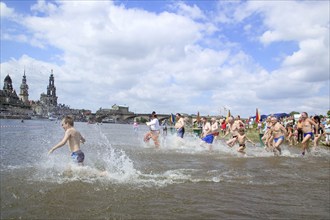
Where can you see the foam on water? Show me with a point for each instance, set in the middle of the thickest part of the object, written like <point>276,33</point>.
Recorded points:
<point>193,144</point>
<point>112,165</point>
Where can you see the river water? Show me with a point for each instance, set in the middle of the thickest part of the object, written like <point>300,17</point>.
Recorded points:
<point>181,180</point>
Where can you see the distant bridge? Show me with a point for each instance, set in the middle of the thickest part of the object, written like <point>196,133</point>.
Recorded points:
<point>129,117</point>
<point>160,117</point>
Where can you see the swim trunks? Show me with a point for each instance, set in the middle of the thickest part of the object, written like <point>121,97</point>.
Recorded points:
<point>242,145</point>
<point>208,138</point>
<point>279,138</point>
<point>216,133</point>
<point>309,133</point>
<point>180,132</point>
<point>78,156</point>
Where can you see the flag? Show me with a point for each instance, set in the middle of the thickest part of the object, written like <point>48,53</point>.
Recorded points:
<point>257,116</point>
<point>172,119</point>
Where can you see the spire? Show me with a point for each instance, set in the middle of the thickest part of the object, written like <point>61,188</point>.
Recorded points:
<point>50,98</point>
<point>24,90</point>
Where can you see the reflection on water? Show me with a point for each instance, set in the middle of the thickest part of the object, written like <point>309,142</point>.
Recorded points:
<point>126,178</point>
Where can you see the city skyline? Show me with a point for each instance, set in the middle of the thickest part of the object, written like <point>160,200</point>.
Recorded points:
<point>223,113</point>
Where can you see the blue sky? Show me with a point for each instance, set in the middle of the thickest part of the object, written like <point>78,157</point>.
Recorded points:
<point>172,56</point>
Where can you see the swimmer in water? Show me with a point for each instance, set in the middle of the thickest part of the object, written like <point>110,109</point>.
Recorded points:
<point>74,138</point>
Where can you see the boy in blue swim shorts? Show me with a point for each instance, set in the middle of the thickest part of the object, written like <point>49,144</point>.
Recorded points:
<point>74,138</point>
<point>78,156</point>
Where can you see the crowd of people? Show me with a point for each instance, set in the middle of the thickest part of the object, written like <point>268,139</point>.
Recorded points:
<point>273,132</point>
<point>302,131</point>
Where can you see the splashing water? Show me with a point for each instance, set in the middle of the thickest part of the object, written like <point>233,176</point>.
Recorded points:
<point>117,164</point>
<point>107,162</point>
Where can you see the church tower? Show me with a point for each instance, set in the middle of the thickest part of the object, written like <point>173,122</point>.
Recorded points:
<point>8,94</point>
<point>50,99</point>
<point>24,93</point>
<point>8,85</point>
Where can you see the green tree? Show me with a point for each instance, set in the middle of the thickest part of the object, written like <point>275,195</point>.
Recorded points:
<point>294,113</point>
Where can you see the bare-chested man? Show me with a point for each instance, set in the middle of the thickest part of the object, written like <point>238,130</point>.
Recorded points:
<point>278,132</point>
<point>232,128</point>
<point>207,131</point>
<point>307,127</point>
<point>214,128</point>
<point>74,137</point>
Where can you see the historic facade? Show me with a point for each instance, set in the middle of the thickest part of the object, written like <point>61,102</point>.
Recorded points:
<point>50,98</point>
<point>47,105</point>
<point>24,91</point>
<point>9,97</point>
<point>12,105</point>
<point>19,107</point>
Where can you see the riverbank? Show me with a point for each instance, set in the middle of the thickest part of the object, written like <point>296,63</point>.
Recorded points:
<point>25,117</point>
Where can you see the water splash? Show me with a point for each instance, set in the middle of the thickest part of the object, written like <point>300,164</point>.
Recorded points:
<point>108,163</point>
<point>117,164</point>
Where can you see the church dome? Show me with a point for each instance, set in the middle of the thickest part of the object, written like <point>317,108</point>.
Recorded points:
<point>8,79</point>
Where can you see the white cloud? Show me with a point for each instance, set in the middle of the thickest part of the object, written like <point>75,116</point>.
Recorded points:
<point>43,7</point>
<point>193,12</point>
<point>311,62</point>
<point>309,20</point>
<point>158,61</point>
<point>6,12</point>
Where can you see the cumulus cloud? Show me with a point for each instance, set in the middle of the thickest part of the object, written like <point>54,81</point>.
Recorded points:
<point>193,12</point>
<point>172,61</point>
<point>43,7</point>
<point>6,12</point>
